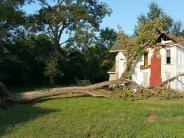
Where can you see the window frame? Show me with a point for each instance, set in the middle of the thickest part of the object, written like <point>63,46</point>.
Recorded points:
<point>168,56</point>
<point>146,58</point>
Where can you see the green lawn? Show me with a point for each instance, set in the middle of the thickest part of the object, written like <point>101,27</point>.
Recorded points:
<point>94,117</point>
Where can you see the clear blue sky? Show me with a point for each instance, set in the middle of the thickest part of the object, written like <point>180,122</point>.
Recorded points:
<point>125,12</point>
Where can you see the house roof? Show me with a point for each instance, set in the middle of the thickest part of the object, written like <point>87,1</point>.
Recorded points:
<point>121,42</point>
<point>179,40</point>
<point>171,36</point>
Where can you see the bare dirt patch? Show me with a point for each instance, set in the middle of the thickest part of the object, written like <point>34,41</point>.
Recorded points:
<point>150,119</point>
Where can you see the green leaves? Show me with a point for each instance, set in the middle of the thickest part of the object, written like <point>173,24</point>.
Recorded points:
<point>70,16</point>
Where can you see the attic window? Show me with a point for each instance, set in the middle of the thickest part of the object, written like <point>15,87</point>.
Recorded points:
<point>168,56</point>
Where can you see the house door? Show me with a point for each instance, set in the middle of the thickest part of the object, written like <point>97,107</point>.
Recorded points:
<point>146,79</point>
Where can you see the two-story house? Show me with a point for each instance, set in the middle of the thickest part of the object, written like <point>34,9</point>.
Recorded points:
<point>159,63</point>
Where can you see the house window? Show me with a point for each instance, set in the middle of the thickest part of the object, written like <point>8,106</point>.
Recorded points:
<point>145,59</point>
<point>168,56</point>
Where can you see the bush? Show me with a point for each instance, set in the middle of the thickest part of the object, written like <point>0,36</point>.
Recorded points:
<point>143,93</point>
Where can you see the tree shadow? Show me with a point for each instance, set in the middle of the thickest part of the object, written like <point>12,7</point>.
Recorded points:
<point>59,98</point>
<point>20,113</point>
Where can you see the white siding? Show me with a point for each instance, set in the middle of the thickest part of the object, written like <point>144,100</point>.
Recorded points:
<point>120,64</point>
<point>140,76</point>
<point>176,66</point>
<point>179,67</point>
<point>168,70</point>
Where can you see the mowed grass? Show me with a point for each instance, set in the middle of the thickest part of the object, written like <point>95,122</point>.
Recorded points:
<point>93,117</point>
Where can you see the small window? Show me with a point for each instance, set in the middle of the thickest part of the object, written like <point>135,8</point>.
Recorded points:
<point>168,56</point>
<point>145,59</point>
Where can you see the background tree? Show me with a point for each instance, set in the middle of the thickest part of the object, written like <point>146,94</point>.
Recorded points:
<point>178,29</point>
<point>12,19</point>
<point>98,57</point>
<point>12,24</point>
<point>23,62</point>
<point>147,24</point>
<point>75,18</point>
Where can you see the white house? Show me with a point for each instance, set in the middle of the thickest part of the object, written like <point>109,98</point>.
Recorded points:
<point>158,64</point>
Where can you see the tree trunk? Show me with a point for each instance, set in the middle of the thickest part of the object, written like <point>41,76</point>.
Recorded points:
<point>29,96</point>
<point>51,80</point>
<point>171,79</point>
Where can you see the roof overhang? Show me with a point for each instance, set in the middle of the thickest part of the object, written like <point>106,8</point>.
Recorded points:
<point>178,45</point>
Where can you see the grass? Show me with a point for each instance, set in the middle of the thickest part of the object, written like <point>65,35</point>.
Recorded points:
<point>94,117</point>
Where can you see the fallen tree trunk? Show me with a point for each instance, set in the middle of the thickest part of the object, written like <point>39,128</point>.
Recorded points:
<point>29,96</point>
<point>87,90</point>
<point>171,79</point>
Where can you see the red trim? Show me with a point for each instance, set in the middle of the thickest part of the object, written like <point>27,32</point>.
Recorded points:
<point>155,75</point>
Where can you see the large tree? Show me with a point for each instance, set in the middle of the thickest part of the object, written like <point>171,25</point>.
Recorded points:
<point>147,24</point>
<point>178,29</point>
<point>98,57</point>
<point>69,22</point>
<point>72,17</point>
<point>12,24</point>
<point>12,19</point>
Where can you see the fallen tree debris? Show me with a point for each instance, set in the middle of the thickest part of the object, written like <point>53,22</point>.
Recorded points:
<point>88,90</point>
<point>171,79</point>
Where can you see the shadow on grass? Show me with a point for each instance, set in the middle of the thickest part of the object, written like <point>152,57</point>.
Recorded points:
<point>60,98</point>
<point>18,114</point>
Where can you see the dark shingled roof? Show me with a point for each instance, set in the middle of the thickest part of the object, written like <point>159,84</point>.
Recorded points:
<point>122,42</point>
<point>118,46</point>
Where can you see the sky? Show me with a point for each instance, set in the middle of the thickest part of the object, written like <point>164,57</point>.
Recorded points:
<point>125,12</point>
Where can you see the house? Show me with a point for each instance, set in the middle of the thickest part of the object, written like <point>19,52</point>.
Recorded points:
<point>159,63</point>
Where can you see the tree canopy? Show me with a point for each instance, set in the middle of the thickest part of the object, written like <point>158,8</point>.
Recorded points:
<point>63,43</point>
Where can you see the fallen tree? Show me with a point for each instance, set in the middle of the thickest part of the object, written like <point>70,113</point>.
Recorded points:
<point>171,79</point>
<point>87,90</point>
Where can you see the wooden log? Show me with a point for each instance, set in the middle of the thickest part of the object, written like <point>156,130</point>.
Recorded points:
<point>33,95</point>
<point>171,79</point>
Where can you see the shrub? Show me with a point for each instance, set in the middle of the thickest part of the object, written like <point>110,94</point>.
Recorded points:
<point>143,93</point>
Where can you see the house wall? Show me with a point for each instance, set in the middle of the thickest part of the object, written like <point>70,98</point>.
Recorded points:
<point>168,70</point>
<point>141,77</point>
<point>138,75</point>
<point>179,82</point>
<point>120,64</point>
<point>176,67</point>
